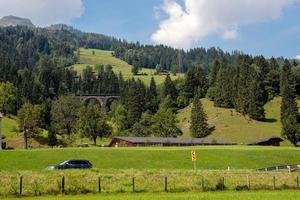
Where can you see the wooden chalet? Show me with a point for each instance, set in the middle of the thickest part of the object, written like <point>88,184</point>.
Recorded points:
<point>160,141</point>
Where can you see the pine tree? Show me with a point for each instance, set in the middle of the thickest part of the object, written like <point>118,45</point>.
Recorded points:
<point>224,88</point>
<point>199,127</point>
<point>152,97</point>
<point>272,79</point>
<point>214,72</point>
<point>169,88</point>
<point>135,101</point>
<point>256,95</point>
<point>135,69</point>
<point>243,80</point>
<point>289,109</point>
<point>211,92</point>
<point>195,84</point>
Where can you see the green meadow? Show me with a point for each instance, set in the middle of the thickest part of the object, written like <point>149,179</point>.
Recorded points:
<point>233,127</point>
<point>267,195</point>
<point>209,157</point>
<point>87,58</point>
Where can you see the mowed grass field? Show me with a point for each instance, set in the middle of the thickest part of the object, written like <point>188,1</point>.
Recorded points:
<point>231,126</point>
<point>87,58</point>
<point>177,158</point>
<point>266,195</point>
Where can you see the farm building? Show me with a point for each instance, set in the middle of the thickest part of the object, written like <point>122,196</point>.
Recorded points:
<point>159,141</point>
<point>269,141</point>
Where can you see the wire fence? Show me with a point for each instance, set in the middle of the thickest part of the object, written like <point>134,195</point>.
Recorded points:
<point>177,181</point>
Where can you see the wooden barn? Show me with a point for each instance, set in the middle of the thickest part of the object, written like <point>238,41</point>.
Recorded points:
<point>160,141</point>
<point>269,141</point>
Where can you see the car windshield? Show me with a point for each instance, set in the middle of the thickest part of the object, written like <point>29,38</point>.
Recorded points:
<point>63,163</point>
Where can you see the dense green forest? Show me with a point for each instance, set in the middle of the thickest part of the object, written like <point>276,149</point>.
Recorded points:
<point>37,85</point>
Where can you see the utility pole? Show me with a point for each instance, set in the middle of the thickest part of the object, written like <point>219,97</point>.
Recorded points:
<point>1,116</point>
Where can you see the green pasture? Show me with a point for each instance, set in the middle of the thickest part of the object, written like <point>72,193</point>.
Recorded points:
<point>266,195</point>
<point>232,126</point>
<point>87,58</point>
<point>209,157</point>
<point>9,127</point>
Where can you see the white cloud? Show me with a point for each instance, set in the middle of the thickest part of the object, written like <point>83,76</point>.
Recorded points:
<point>197,19</point>
<point>297,57</point>
<point>43,12</point>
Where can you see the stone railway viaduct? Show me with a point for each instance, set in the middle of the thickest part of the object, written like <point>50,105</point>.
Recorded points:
<point>104,100</point>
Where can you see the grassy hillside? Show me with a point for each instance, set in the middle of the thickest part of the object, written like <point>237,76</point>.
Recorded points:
<point>209,157</point>
<point>9,127</point>
<point>105,57</point>
<point>232,126</point>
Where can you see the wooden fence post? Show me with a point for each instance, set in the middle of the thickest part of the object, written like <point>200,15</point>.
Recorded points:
<point>21,185</point>
<point>133,184</point>
<point>223,183</point>
<point>274,182</point>
<point>166,184</point>
<point>297,181</point>
<point>202,183</point>
<point>63,185</point>
<point>248,182</point>
<point>99,184</point>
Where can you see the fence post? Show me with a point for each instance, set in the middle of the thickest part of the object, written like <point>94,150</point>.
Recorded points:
<point>202,183</point>
<point>166,184</point>
<point>21,185</point>
<point>297,180</point>
<point>63,185</point>
<point>133,184</point>
<point>223,183</point>
<point>99,184</point>
<point>274,182</point>
<point>248,181</point>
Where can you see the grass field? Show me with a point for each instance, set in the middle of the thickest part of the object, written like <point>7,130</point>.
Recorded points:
<point>266,195</point>
<point>105,57</point>
<point>232,126</point>
<point>146,181</point>
<point>209,157</point>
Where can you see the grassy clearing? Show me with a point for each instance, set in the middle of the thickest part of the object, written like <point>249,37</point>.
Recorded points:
<point>146,181</point>
<point>266,195</point>
<point>9,127</point>
<point>213,157</point>
<point>232,126</point>
<point>105,57</point>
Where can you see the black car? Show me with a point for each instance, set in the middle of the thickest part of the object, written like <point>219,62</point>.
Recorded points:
<point>72,164</point>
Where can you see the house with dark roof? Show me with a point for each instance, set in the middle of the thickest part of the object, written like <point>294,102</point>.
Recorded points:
<point>269,141</point>
<point>160,141</point>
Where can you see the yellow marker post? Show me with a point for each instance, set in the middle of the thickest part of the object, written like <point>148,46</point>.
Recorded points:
<point>194,158</point>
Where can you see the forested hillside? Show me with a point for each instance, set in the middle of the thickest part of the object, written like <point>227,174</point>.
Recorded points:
<point>36,80</point>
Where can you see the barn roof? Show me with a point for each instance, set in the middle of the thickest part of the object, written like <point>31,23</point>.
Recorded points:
<point>182,141</point>
<point>267,139</point>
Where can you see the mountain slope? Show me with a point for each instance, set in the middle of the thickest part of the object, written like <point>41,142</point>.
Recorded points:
<point>15,21</point>
<point>88,58</point>
<point>232,126</point>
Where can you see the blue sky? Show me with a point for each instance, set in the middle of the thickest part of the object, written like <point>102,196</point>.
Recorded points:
<point>267,27</point>
<point>135,20</point>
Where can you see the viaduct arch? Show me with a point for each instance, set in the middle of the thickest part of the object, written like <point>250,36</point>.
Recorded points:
<point>103,99</point>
